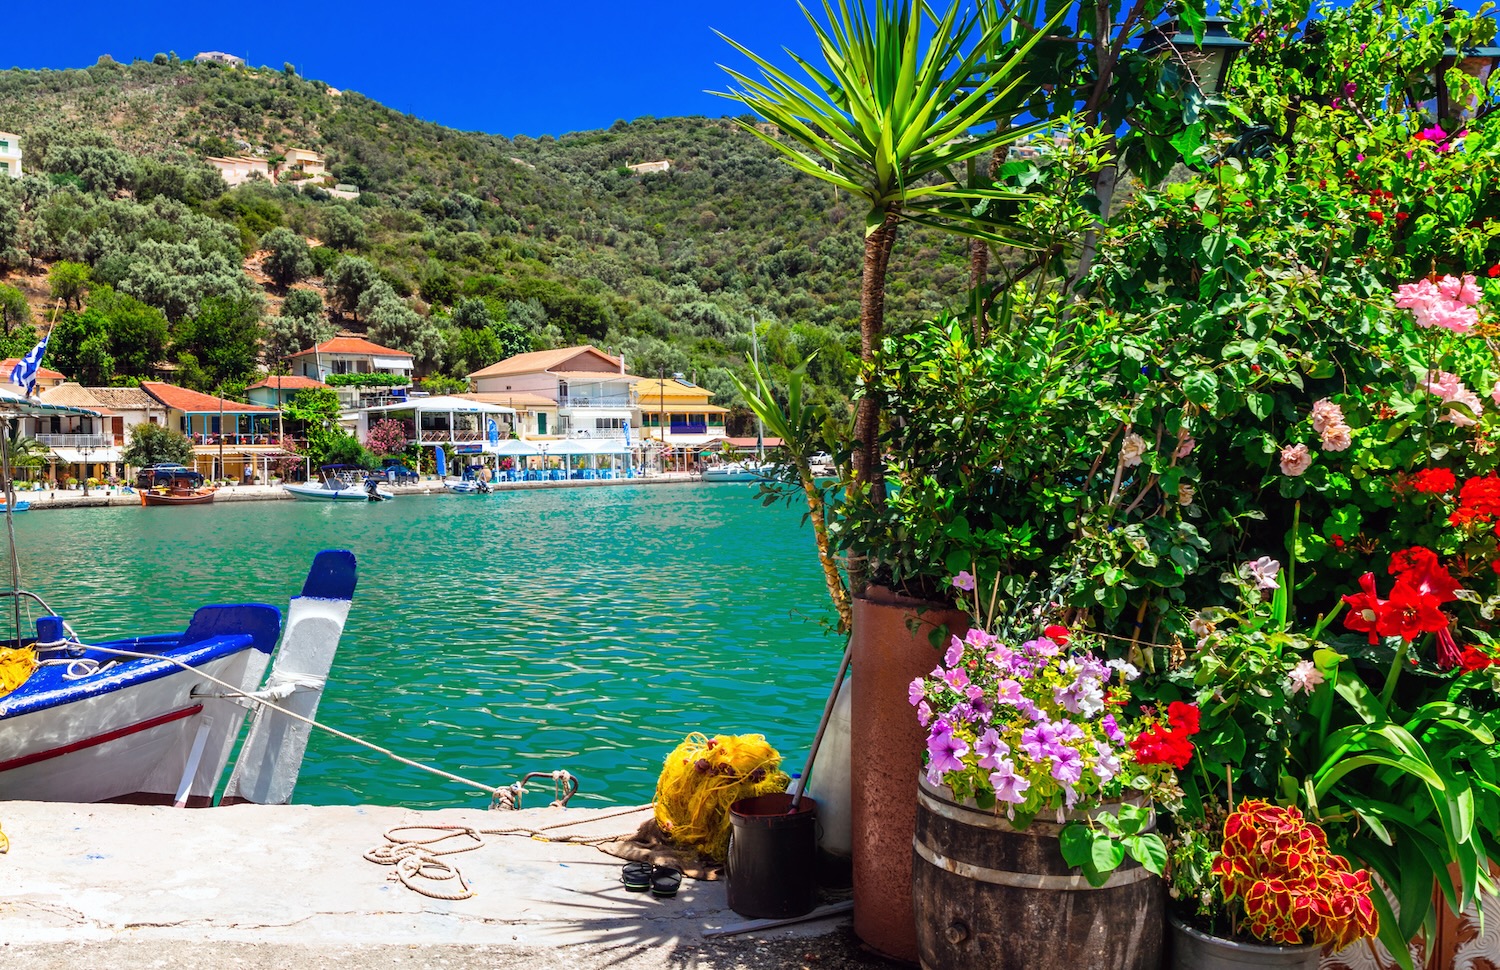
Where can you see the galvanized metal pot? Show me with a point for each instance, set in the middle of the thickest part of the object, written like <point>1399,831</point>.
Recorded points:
<point>989,895</point>
<point>1196,950</point>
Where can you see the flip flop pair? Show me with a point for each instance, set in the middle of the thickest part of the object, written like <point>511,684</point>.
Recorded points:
<point>662,881</point>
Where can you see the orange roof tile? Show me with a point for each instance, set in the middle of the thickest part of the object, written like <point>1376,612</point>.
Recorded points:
<point>543,360</point>
<point>46,373</point>
<point>183,399</point>
<point>351,345</point>
<point>287,382</point>
<point>521,400</point>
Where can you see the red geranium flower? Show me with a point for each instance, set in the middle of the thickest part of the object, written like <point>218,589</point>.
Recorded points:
<point>1377,217</point>
<point>1482,494</point>
<point>1364,608</point>
<point>1434,481</point>
<point>1183,717</point>
<point>1494,271</point>
<point>1473,659</point>
<point>1409,613</point>
<point>1057,634</point>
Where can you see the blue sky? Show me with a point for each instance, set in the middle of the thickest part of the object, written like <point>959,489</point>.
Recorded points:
<point>503,67</point>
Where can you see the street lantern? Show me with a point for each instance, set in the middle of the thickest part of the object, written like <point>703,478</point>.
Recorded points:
<point>1209,61</point>
<point>1478,62</point>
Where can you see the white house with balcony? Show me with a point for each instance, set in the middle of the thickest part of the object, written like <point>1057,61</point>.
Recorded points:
<point>589,391</point>
<point>10,155</point>
<point>79,446</point>
<point>350,355</point>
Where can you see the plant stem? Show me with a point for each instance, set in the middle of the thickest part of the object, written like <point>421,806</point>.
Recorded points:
<point>1393,675</point>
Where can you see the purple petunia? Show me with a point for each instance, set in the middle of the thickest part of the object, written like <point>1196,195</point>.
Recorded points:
<point>1040,740</point>
<point>955,653</point>
<point>1009,787</point>
<point>924,714</point>
<point>1107,765</point>
<point>964,580</point>
<point>1067,765</point>
<point>990,749</point>
<point>944,749</point>
<point>957,678</point>
<point>1112,729</point>
<point>1009,692</point>
<point>916,691</point>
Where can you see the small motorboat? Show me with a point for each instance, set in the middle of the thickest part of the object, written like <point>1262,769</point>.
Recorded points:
<point>21,506</point>
<point>471,487</point>
<point>343,483</point>
<point>153,719</point>
<point>168,484</point>
<point>738,471</point>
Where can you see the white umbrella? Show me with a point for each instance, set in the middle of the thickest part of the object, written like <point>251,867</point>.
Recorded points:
<point>514,447</point>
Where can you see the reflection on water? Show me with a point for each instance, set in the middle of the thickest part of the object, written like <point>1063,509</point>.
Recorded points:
<point>586,629</point>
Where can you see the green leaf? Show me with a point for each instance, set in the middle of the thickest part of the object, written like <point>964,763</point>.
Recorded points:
<point>1150,851</point>
<point>1202,388</point>
<point>1260,404</point>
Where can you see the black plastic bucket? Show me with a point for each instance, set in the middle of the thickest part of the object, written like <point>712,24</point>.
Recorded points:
<point>772,869</point>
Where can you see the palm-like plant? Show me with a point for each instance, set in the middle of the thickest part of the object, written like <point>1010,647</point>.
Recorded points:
<point>887,120</point>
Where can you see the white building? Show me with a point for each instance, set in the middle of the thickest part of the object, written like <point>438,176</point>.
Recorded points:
<point>586,390</point>
<point>10,154</point>
<point>239,169</point>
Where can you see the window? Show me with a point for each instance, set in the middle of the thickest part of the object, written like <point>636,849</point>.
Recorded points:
<point>5,167</point>
<point>608,424</point>
<point>562,390</point>
<point>4,145</point>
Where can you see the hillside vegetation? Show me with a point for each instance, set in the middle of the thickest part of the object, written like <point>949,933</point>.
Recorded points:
<point>462,247</point>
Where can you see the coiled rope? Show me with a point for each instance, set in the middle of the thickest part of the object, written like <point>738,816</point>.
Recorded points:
<point>421,866</point>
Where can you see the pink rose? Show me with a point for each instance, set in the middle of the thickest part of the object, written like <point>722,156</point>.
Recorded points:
<point>1463,290</point>
<point>1131,450</point>
<point>1326,414</point>
<point>1295,460</point>
<point>1336,437</point>
<point>1185,447</point>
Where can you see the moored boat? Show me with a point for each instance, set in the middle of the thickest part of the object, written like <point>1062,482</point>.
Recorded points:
<point>153,719</point>
<point>168,484</point>
<point>21,506</point>
<point>738,471</point>
<point>337,485</point>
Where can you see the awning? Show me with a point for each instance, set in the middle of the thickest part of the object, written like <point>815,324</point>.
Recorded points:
<point>76,456</point>
<point>394,363</point>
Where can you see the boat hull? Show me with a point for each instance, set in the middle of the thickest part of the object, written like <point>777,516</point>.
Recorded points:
<point>177,498</point>
<point>736,473</point>
<point>318,493</point>
<point>144,731</point>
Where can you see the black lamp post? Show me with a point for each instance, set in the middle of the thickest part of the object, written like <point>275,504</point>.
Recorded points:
<point>1478,62</point>
<point>1209,61</point>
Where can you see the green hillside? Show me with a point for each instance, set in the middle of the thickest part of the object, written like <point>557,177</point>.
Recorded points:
<point>557,239</point>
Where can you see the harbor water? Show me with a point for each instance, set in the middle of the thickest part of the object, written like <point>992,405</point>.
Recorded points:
<point>587,629</point>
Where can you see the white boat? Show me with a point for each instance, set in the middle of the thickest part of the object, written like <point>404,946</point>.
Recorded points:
<point>739,471</point>
<point>469,487</point>
<point>338,484</point>
<point>152,720</point>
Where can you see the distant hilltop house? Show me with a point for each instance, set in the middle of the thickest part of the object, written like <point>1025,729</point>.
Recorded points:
<point>219,57</point>
<point>642,168</point>
<point>307,162</point>
<point>10,154</point>
<point>240,169</point>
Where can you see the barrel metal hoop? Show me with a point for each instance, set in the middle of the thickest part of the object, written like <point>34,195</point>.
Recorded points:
<point>1026,880</point>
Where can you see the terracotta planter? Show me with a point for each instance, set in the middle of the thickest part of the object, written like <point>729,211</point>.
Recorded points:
<point>892,644</point>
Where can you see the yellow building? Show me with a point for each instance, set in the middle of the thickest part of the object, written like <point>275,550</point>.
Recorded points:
<point>677,412</point>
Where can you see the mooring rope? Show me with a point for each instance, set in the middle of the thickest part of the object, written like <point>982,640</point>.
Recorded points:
<point>416,859</point>
<point>501,797</point>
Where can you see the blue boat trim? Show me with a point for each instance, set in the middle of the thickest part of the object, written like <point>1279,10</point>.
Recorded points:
<point>215,632</point>
<point>332,577</point>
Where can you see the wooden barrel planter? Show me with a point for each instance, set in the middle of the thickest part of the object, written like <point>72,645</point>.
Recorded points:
<point>988,895</point>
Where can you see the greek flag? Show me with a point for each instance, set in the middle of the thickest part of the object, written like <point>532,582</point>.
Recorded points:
<point>23,375</point>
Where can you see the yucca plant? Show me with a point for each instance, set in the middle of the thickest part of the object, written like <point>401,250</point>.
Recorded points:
<point>887,119</point>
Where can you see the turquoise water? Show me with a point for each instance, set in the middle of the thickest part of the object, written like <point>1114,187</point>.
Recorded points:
<point>587,629</point>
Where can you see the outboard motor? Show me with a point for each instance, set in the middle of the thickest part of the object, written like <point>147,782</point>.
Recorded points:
<point>372,489</point>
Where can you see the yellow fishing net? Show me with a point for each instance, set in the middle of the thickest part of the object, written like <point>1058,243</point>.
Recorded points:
<point>16,665</point>
<point>703,777</point>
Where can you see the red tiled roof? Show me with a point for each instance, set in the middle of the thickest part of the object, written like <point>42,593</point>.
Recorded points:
<point>351,345</point>
<point>183,399</point>
<point>9,364</point>
<point>540,361</point>
<point>287,382</point>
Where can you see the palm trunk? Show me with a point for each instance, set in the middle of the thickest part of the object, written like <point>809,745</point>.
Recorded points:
<point>837,591</point>
<point>869,472</point>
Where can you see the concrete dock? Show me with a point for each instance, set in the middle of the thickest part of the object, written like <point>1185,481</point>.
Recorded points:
<point>118,887</point>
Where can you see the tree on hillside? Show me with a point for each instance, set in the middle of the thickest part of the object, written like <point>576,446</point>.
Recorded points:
<point>343,230</point>
<point>152,444</point>
<point>178,277</point>
<point>137,333</point>
<point>348,281</point>
<point>79,347</point>
<point>224,339</point>
<point>68,282</point>
<point>287,258</point>
<point>394,324</point>
<point>302,324</point>
<point>14,310</point>
<point>314,411</point>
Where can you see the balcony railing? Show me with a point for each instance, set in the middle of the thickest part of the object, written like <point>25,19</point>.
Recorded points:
<point>594,401</point>
<point>77,440</point>
<point>687,427</point>
<point>201,440</point>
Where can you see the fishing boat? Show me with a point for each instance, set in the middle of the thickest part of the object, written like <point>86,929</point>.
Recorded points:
<point>168,484</point>
<point>342,483</point>
<point>153,719</point>
<point>738,471</point>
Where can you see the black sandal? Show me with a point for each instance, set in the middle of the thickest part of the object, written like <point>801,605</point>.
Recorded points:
<point>636,876</point>
<point>665,882</point>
